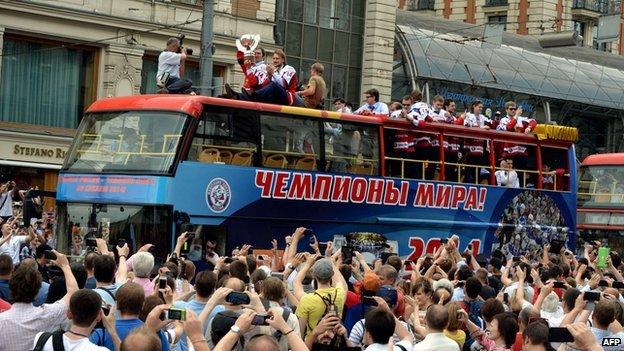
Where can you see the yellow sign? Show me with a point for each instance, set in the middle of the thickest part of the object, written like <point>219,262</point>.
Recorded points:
<point>25,150</point>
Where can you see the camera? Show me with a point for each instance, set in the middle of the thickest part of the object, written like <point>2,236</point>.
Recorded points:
<point>176,313</point>
<point>260,320</point>
<point>189,51</point>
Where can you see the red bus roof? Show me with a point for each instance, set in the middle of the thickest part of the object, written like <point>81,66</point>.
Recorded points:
<point>604,160</point>
<point>193,105</point>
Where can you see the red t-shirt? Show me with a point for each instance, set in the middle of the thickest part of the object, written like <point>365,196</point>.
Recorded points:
<point>517,346</point>
<point>4,306</point>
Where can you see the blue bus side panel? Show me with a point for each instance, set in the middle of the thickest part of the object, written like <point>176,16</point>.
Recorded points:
<point>257,205</point>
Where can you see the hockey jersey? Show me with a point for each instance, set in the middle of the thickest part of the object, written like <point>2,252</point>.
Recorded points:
<point>286,77</point>
<point>256,76</point>
<point>421,113</point>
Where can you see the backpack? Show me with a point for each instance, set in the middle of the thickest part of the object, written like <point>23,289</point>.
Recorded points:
<point>109,292</point>
<point>285,315</point>
<point>57,341</point>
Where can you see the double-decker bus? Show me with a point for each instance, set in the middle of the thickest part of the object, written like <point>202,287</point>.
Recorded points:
<point>142,167</point>
<point>601,199</point>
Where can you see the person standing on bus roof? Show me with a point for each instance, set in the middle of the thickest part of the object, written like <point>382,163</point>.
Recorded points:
<point>255,71</point>
<point>372,105</point>
<point>281,90</point>
<point>419,115</point>
<point>475,148</point>
<point>313,95</point>
<point>171,64</point>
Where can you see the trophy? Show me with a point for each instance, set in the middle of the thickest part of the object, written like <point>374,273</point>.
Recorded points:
<point>248,43</point>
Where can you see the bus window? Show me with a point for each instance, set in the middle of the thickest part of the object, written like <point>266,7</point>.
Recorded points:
<point>555,172</point>
<point>135,141</point>
<point>601,185</point>
<point>291,143</point>
<point>225,136</point>
<point>518,158</point>
<point>351,148</point>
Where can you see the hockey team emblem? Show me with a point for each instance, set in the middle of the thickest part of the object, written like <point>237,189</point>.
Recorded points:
<point>218,195</point>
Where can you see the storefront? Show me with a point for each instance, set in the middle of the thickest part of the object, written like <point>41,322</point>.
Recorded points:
<point>32,160</point>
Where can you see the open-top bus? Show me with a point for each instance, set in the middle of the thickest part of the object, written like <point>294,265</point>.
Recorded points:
<point>601,199</point>
<point>141,167</point>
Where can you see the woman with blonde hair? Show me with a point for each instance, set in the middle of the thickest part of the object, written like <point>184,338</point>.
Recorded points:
<point>453,330</point>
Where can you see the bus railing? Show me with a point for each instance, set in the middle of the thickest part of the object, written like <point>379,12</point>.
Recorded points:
<point>461,171</point>
<point>610,195</point>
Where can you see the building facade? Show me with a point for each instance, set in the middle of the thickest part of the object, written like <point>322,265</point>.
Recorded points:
<point>530,17</point>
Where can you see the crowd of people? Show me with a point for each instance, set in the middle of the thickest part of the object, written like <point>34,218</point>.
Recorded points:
<point>308,298</point>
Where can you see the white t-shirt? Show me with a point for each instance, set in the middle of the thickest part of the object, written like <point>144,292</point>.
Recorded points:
<point>7,206</point>
<point>12,247</point>
<point>507,178</point>
<point>82,344</point>
<point>169,62</point>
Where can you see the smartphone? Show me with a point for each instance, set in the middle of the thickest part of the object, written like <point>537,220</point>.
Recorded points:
<point>260,319</point>
<point>48,254</point>
<point>560,285</point>
<point>556,245</point>
<point>91,242</point>
<point>603,254</point>
<point>559,335</point>
<point>322,247</point>
<point>443,240</point>
<point>312,240</point>
<point>177,314</point>
<point>591,296</point>
<point>368,301</point>
<point>506,297</point>
<point>261,258</point>
<point>618,285</point>
<point>121,242</point>
<point>308,232</point>
<point>469,247</point>
<point>347,254</point>
<point>603,283</point>
<point>162,283</point>
<point>277,275</point>
<point>228,260</point>
<point>237,298</point>
<point>106,308</point>
<point>515,259</point>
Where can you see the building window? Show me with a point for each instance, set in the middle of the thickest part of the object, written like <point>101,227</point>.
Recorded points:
<point>579,27</point>
<point>498,19</point>
<point>46,83</point>
<point>327,31</point>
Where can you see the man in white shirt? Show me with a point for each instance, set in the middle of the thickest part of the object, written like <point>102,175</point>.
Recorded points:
<point>380,325</point>
<point>372,105</point>
<point>171,68</point>
<point>437,319</point>
<point>11,243</point>
<point>23,321</point>
<point>85,311</point>
<point>507,176</point>
<point>6,200</point>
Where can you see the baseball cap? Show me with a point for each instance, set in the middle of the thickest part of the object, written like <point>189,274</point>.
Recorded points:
<point>389,294</point>
<point>323,269</point>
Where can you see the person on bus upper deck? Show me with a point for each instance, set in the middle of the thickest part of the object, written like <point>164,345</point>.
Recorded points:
<point>403,144</point>
<point>314,94</point>
<point>452,145</point>
<point>519,153</point>
<point>255,72</point>
<point>419,115</point>
<point>475,148</point>
<point>507,176</point>
<point>396,109</point>
<point>281,90</point>
<point>372,105</point>
<point>171,61</point>
<point>340,105</point>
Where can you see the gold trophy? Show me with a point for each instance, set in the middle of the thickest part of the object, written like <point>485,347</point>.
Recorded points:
<point>248,43</point>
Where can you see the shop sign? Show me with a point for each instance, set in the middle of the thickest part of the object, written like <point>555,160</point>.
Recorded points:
<point>36,151</point>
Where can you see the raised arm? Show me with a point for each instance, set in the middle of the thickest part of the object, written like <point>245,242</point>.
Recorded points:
<point>70,281</point>
<point>298,282</point>
<point>122,268</point>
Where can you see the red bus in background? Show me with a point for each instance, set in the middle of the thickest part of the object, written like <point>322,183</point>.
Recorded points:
<point>601,199</point>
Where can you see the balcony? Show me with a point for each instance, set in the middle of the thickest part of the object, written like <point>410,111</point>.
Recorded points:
<point>418,5</point>
<point>604,7</point>
<point>496,3</point>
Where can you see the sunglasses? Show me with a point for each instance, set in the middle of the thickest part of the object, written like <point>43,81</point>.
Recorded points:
<point>368,96</point>
<point>512,108</point>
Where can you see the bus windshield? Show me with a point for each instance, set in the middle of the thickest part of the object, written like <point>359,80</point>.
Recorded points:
<point>131,141</point>
<point>601,185</point>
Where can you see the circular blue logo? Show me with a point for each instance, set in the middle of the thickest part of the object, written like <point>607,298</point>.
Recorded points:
<point>218,195</point>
